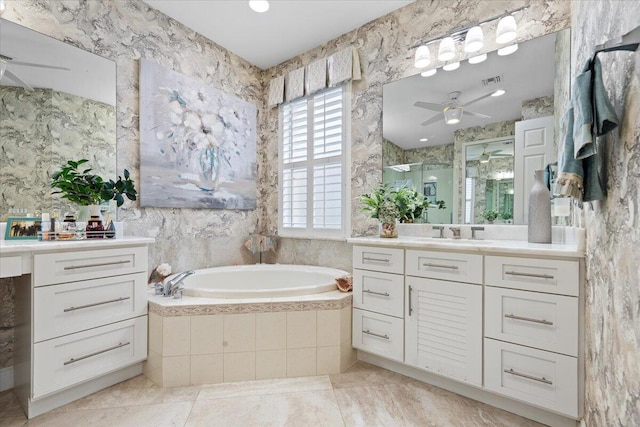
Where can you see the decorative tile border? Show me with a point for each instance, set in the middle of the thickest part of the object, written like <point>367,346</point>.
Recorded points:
<point>266,307</point>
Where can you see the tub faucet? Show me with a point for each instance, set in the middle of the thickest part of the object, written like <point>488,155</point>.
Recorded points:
<point>174,284</point>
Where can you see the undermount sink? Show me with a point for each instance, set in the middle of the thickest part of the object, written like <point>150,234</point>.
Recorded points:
<point>449,240</point>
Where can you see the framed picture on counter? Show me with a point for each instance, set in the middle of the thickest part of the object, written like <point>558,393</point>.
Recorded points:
<point>22,229</point>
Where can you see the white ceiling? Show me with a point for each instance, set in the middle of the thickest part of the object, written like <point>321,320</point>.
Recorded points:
<point>89,76</point>
<point>526,74</point>
<point>287,29</point>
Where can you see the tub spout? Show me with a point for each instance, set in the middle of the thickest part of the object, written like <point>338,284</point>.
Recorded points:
<point>175,283</point>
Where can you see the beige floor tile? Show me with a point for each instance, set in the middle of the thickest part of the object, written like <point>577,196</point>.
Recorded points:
<point>134,392</point>
<point>362,374</point>
<point>166,414</point>
<point>13,421</point>
<point>314,408</point>
<point>9,406</point>
<point>263,387</point>
<point>271,364</point>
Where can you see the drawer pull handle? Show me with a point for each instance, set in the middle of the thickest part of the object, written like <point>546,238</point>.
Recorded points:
<point>101,264</point>
<point>409,303</point>
<point>368,332</point>
<point>74,360</point>
<point>376,259</point>
<point>450,267</point>
<point>95,304</point>
<point>538,276</point>
<point>528,319</point>
<point>529,377</point>
<point>384,294</point>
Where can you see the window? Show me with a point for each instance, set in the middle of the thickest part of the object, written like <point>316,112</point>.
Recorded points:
<point>468,200</point>
<point>313,168</point>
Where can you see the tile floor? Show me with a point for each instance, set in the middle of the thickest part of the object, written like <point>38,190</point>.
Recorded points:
<point>365,395</point>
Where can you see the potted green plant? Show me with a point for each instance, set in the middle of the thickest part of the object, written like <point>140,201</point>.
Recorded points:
<point>507,216</point>
<point>490,215</point>
<point>77,184</point>
<point>411,204</point>
<point>381,205</point>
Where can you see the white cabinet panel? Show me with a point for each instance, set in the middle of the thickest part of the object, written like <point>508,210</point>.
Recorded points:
<point>69,360</point>
<point>379,292</point>
<point>459,267</point>
<point>541,378</point>
<point>77,306</point>
<point>386,260</point>
<point>63,267</point>
<point>533,274</point>
<point>544,321</point>
<point>444,328</point>
<point>378,334</point>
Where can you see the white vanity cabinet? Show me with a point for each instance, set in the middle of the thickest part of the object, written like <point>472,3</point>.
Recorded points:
<point>82,316</point>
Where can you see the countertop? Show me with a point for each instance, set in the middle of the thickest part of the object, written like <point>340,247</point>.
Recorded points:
<point>503,247</point>
<point>18,247</point>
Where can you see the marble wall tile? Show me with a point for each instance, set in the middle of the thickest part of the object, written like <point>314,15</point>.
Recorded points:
<point>612,314</point>
<point>538,107</point>
<point>7,321</point>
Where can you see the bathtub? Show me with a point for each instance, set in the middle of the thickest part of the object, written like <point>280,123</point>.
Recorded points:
<point>261,281</point>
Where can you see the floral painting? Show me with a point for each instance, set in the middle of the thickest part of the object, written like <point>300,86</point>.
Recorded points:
<point>197,143</point>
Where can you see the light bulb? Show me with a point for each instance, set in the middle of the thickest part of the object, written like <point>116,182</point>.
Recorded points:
<point>507,29</point>
<point>447,49</point>
<point>474,39</point>
<point>478,58</point>
<point>259,6</point>
<point>508,50</point>
<point>423,57</point>
<point>499,92</point>
<point>452,66</point>
<point>429,73</point>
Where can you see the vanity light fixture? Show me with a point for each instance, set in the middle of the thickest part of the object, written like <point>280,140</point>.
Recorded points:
<point>508,50</point>
<point>499,92</point>
<point>474,40</point>
<point>447,49</point>
<point>478,59</point>
<point>259,6</point>
<point>484,158</point>
<point>452,66</point>
<point>507,29</point>
<point>429,73</point>
<point>424,139</point>
<point>423,57</point>
<point>452,115</point>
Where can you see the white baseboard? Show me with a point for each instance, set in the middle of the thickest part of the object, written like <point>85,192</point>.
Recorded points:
<point>6,378</point>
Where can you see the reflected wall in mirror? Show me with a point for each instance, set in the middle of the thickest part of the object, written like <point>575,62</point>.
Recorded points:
<point>57,103</point>
<point>528,85</point>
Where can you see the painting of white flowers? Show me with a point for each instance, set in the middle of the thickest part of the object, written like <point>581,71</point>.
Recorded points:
<point>197,143</point>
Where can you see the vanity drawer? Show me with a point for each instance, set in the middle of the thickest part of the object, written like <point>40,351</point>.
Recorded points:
<point>531,274</point>
<point>10,266</point>
<point>386,260</point>
<point>72,307</point>
<point>544,321</point>
<point>537,377</point>
<point>65,267</point>
<point>445,265</point>
<point>72,359</point>
<point>379,292</point>
<point>378,334</point>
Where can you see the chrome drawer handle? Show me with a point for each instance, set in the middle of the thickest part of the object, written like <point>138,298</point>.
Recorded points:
<point>101,264</point>
<point>529,377</point>
<point>375,259</point>
<point>74,360</point>
<point>409,303</point>
<point>385,336</point>
<point>95,304</point>
<point>528,319</point>
<point>539,276</point>
<point>384,294</point>
<point>450,267</point>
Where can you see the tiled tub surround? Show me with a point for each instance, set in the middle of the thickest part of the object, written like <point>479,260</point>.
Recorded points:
<point>205,340</point>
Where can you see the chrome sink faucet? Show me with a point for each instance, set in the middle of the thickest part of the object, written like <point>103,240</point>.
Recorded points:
<point>172,286</point>
<point>455,231</point>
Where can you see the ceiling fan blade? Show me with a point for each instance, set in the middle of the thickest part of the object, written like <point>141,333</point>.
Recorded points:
<point>433,119</point>
<point>30,64</point>
<point>471,113</point>
<point>502,155</point>
<point>466,104</point>
<point>429,105</point>
<point>8,74</point>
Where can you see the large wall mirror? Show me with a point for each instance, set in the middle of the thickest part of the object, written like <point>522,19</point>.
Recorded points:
<point>57,103</point>
<point>473,136</point>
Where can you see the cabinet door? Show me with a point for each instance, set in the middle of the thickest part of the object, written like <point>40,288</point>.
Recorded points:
<point>443,328</point>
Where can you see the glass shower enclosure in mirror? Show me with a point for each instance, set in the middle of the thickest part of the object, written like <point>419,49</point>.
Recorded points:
<point>485,147</point>
<point>57,103</point>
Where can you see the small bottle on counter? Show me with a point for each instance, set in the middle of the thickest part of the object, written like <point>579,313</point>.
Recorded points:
<point>45,224</point>
<point>95,229</point>
<point>68,230</point>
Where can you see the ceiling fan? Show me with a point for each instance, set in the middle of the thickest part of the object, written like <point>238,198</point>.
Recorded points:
<point>485,156</point>
<point>451,111</point>
<point>6,61</point>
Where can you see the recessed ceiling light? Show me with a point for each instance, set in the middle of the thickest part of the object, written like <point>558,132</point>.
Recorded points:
<point>499,92</point>
<point>429,73</point>
<point>452,66</point>
<point>424,139</point>
<point>259,6</point>
<point>508,50</point>
<point>478,59</point>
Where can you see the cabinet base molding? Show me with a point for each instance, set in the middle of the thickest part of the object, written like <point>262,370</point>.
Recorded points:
<point>33,408</point>
<point>471,392</point>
